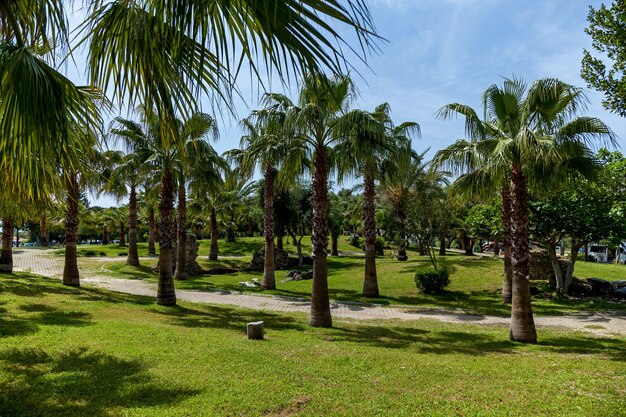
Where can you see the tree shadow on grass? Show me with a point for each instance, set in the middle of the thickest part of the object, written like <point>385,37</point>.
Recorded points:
<point>228,318</point>
<point>78,383</point>
<point>614,348</point>
<point>474,343</point>
<point>424,341</point>
<point>16,325</point>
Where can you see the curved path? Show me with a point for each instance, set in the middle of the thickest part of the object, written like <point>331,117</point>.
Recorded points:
<point>44,263</point>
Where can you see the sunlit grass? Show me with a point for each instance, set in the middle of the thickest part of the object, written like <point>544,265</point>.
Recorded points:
<point>80,352</point>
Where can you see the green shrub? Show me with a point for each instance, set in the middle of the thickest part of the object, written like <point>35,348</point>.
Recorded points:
<point>122,254</point>
<point>432,281</point>
<point>90,253</point>
<point>355,241</point>
<point>102,253</point>
<point>379,245</point>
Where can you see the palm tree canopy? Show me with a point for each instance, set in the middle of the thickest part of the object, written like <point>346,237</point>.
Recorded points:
<point>535,128</point>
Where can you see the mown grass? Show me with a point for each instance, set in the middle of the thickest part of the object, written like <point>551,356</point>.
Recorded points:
<point>76,352</point>
<point>476,282</point>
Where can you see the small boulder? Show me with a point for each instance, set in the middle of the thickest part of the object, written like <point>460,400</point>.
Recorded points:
<point>616,285</point>
<point>621,293</point>
<point>599,286</point>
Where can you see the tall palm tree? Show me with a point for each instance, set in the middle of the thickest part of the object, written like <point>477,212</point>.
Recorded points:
<point>266,144</point>
<point>371,147</point>
<point>528,135</point>
<point>195,160</point>
<point>313,121</point>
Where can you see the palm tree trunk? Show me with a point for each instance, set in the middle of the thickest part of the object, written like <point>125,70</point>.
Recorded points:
<point>181,235</point>
<point>213,249</point>
<point>6,256</point>
<point>269,280</point>
<point>133,255</point>
<point>70,270</point>
<point>334,246</point>
<point>105,235</point>
<point>151,232</point>
<point>166,294</point>
<point>370,282</point>
<point>44,231</point>
<point>320,304</point>
<point>401,234</point>
<point>522,322</point>
<point>122,234</point>
<point>506,242</point>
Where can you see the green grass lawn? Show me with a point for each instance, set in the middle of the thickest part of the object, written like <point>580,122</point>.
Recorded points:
<point>77,352</point>
<point>475,281</point>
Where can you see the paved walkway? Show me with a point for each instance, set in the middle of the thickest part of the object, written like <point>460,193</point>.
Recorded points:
<point>44,263</point>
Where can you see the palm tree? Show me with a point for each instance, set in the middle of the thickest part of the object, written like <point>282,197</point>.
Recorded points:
<point>314,122</point>
<point>40,107</point>
<point>267,145</point>
<point>195,160</point>
<point>528,135</point>
<point>370,148</point>
<point>396,189</point>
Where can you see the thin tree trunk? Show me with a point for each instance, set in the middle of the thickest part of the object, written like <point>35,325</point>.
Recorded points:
<point>6,256</point>
<point>70,269</point>
<point>214,235</point>
<point>469,245</point>
<point>269,280</point>
<point>279,242</point>
<point>562,248</point>
<point>133,255</point>
<point>151,232</point>
<point>166,294</point>
<point>17,237</point>
<point>586,251</point>
<point>122,233</point>
<point>370,282</point>
<point>320,303</point>
<point>569,276</point>
<point>496,247</point>
<point>44,231</point>
<point>442,246</point>
<point>558,274</point>
<point>522,322</point>
<point>506,242</point>
<point>334,246</point>
<point>401,235</point>
<point>105,235</point>
<point>181,235</point>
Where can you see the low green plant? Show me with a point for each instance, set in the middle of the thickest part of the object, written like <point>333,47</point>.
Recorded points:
<point>431,280</point>
<point>122,254</point>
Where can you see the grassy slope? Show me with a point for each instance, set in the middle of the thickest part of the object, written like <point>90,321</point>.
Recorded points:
<point>475,281</point>
<point>66,351</point>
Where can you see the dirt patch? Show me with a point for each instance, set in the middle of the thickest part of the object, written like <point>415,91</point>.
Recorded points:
<point>291,409</point>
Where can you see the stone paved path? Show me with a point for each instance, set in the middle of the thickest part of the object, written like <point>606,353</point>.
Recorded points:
<point>44,263</point>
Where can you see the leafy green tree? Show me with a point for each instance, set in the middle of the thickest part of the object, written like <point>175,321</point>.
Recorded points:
<point>485,222</point>
<point>607,28</point>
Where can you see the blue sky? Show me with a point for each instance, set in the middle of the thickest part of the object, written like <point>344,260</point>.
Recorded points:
<point>445,51</point>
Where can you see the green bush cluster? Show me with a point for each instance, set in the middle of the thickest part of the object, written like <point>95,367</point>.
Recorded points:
<point>379,245</point>
<point>431,280</point>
